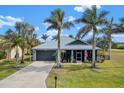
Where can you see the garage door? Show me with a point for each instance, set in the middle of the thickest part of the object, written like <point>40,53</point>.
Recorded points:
<point>42,55</point>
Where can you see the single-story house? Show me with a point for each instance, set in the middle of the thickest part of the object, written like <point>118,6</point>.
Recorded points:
<point>72,50</point>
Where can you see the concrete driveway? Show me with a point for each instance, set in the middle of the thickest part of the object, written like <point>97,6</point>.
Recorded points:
<point>32,76</point>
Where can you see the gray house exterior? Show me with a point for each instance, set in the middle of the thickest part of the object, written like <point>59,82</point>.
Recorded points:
<point>72,50</point>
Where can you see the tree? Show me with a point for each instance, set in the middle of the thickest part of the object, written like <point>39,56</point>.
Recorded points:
<point>44,37</point>
<point>21,29</point>
<point>56,22</point>
<point>103,43</point>
<point>119,27</point>
<point>30,38</point>
<point>108,32</point>
<point>14,40</point>
<point>91,19</point>
<point>24,30</point>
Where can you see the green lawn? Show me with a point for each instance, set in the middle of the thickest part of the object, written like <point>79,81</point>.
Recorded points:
<point>8,67</point>
<point>109,74</point>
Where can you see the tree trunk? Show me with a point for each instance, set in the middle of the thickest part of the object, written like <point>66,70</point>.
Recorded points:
<point>22,61</point>
<point>93,49</point>
<point>109,46</point>
<point>104,52</point>
<point>30,55</point>
<point>9,53</point>
<point>59,51</point>
<point>17,56</point>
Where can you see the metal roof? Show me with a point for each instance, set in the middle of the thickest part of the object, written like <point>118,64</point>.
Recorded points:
<point>66,43</point>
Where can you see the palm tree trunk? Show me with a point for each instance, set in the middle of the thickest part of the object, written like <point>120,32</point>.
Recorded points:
<point>104,51</point>
<point>22,61</point>
<point>17,56</point>
<point>93,49</point>
<point>109,46</point>
<point>8,54</point>
<point>59,51</point>
<point>30,58</point>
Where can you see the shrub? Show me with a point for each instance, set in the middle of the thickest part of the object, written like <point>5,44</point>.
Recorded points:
<point>2,54</point>
<point>120,47</point>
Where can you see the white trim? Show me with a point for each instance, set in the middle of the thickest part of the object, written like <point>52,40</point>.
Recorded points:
<point>72,56</point>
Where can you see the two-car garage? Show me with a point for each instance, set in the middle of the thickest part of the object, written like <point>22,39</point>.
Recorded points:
<point>45,55</point>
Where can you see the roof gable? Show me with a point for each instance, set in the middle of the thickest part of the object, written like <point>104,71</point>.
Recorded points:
<point>77,42</point>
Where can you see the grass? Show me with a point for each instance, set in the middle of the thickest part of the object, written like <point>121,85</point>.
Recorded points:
<point>109,74</point>
<point>9,67</point>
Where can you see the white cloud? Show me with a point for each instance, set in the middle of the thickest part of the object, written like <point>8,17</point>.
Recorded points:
<point>82,8</point>
<point>46,25</point>
<point>78,28</point>
<point>51,33</point>
<point>70,18</point>
<point>37,28</point>
<point>8,21</point>
<point>91,32</point>
<point>118,35</point>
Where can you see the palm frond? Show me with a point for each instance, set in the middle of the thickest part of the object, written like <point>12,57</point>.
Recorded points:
<point>52,27</point>
<point>67,25</point>
<point>50,21</point>
<point>82,20</point>
<point>102,14</point>
<point>122,20</point>
<point>101,22</point>
<point>83,31</point>
<point>117,31</point>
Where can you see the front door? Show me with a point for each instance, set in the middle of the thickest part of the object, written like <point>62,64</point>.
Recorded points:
<point>79,55</point>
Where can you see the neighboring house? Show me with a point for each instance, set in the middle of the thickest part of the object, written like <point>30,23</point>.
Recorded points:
<point>72,51</point>
<point>10,52</point>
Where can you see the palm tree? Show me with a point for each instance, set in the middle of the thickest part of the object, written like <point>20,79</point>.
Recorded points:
<point>30,36</point>
<point>103,43</point>
<point>108,32</point>
<point>25,30</point>
<point>119,27</point>
<point>91,19</point>
<point>44,37</point>
<point>56,23</point>
<point>20,28</point>
<point>121,24</point>
<point>14,40</point>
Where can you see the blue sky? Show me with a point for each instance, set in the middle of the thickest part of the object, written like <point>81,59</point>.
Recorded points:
<point>36,14</point>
